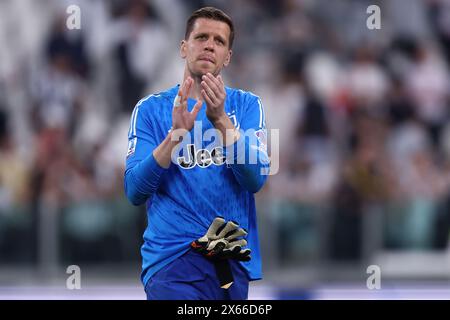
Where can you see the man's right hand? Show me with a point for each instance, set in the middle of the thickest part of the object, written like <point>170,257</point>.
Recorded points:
<point>182,122</point>
<point>181,117</point>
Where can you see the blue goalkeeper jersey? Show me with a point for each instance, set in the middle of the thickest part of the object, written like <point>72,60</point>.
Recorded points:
<point>204,179</point>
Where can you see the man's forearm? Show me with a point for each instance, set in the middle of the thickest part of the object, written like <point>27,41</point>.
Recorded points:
<point>251,173</point>
<point>163,153</point>
<point>227,130</point>
<point>142,179</point>
<point>250,176</point>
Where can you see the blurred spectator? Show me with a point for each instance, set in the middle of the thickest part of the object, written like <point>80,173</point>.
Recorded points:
<point>71,45</point>
<point>14,184</point>
<point>56,89</point>
<point>428,84</point>
<point>140,47</point>
<point>420,184</point>
<point>399,106</point>
<point>284,104</point>
<point>439,13</point>
<point>365,180</point>
<point>367,81</point>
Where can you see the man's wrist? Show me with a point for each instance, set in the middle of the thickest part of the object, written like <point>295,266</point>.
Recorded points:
<point>225,126</point>
<point>163,153</point>
<point>174,137</point>
<point>231,136</point>
<point>220,122</point>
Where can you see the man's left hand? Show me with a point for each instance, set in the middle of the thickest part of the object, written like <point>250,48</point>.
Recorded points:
<point>213,92</point>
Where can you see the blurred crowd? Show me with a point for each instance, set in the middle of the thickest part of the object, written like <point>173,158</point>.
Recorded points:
<point>363,115</point>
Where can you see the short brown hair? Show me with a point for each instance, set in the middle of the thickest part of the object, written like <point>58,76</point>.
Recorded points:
<point>213,14</point>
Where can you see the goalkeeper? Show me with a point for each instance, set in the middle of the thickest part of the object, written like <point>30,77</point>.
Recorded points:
<point>201,239</point>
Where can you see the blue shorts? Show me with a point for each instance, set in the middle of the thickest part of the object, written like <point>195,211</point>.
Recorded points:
<point>193,277</point>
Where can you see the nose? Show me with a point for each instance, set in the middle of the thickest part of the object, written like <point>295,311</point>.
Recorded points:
<point>209,45</point>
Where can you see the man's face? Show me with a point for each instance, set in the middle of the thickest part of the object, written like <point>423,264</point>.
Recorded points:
<point>207,48</point>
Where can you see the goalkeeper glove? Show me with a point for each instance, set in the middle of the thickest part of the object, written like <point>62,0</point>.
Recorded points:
<point>221,241</point>
<point>233,249</point>
<point>213,242</point>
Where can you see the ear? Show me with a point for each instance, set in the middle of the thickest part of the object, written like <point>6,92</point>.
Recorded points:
<point>183,49</point>
<point>228,58</point>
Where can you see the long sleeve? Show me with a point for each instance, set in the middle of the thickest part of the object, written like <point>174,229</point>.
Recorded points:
<point>142,180</point>
<point>142,174</point>
<point>248,156</point>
